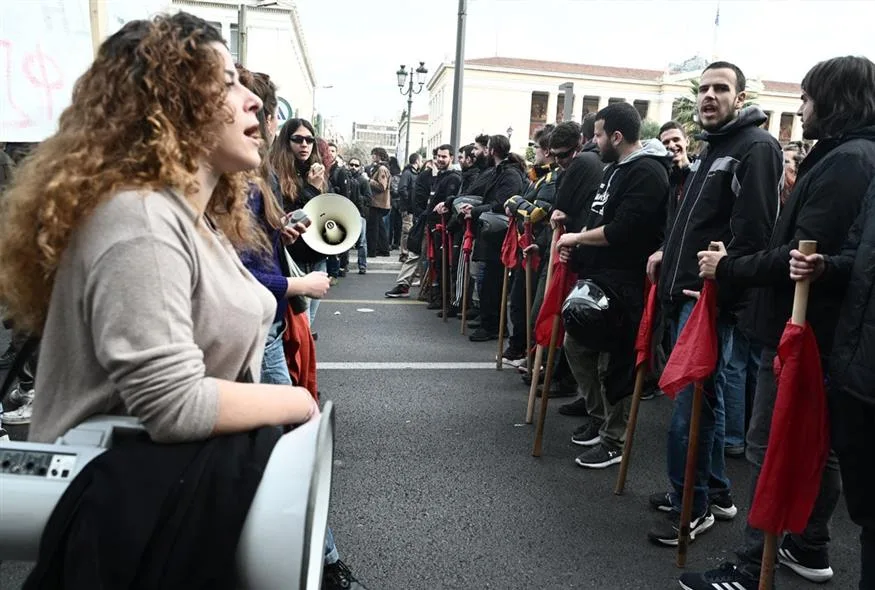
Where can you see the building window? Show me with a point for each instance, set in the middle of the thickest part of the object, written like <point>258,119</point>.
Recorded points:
<point>642,106</point>
<point>234,42</point>
<point>538,112</point>
<point>590,105</point>
<point>768,122</point>
<point>786,129</point>
<point>615,100</point>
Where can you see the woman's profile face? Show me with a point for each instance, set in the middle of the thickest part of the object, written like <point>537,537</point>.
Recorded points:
<point>240,139</point>
<point>302,143</point>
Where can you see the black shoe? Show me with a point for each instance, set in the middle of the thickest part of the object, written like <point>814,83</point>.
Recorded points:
<point>722,506</point>
<point>660,501</point>
<point>734,451</point>
<point>559,389</point>
<point>725,576</point>
<point>665,531</point>
<point>472,314</point>
<point>336,576</point>
<point>587,434</point>
<point>811,565</point>
<point>651,393</point>
<point>513,357</point>
<point>434,305</point>
<point>451,312</point>
<point>599,457</point>
<point>474,324</point>
<point>575,408</point>
<point>363,271</point>
<point>481,335</point>
<point>397,291</point>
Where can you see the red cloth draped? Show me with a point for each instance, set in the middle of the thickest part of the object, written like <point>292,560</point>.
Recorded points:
<point>560,285</point>
<point>300,351</point>
<point>468,238</point>
<point>509,246</point>
<point>526,240</point>
<point>694,356</point>
<point>644,340</point>
<point>798,440</point>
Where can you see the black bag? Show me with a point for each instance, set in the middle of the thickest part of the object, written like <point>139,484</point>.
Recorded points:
<point>417,232</point>
<point>592,316</point>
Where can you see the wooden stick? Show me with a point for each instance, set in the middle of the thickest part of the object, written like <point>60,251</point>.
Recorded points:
<point>501,318</point>
<point>465,285</point>
<point>690,476</point>
<point>97,14</point>
<point>800,309</point>
<point>527,260</point>
<point>444,283</point>
<point>535,366</point>
<point>545,390</point>
<point>640,372</point>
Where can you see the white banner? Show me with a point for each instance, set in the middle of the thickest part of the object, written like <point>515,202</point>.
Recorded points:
<point>45,46</point>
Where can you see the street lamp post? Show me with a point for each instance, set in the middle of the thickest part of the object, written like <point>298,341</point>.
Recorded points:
<point>509,132</point>
<point>405,78</point>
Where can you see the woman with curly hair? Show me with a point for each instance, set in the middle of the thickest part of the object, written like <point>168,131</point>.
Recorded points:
<point>118,240</point>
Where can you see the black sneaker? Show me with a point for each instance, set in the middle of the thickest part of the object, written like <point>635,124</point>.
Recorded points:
<point>481,335</point>
<point>665,531</point>
<point>726,576</point>
<point>511,355</point>
<point>363,271</point>
<point>451,312</point>
<point>722,506</point>
<point>587,435</point>
<point>575,408</point>
<point>811,565</point>
<point>651,393</point>
<point>336,576</point>
<point>599,457</point>
<point>558,389</point>
<point>398,291</point>
<point>660,501</point>
<point>8,358</point>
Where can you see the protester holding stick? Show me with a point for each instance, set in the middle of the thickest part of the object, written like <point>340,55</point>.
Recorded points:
<point>838,109</point>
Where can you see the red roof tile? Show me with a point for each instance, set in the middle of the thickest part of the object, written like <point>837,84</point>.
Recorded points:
<point>566,68</point>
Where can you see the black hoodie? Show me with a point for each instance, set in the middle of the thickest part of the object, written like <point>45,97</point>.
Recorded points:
<point>577,185</point>
<point>731,196</point>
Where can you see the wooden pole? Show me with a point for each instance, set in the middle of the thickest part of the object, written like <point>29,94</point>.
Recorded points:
<point>535,366</point>
<point>445,287</point>
<point>527,260</point>
<point>97,12</point>
<point>640,372</point>
<point>545,390</point>
<point>690,476</point>
<point>800,309</point>
<point>502,318</point>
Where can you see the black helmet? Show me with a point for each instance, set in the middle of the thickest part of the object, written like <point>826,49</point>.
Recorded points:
<point>592,316</point>
<point>493,226</point>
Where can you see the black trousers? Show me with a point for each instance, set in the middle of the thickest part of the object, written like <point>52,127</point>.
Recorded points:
<point>490,295</point>
<point>378,237</point>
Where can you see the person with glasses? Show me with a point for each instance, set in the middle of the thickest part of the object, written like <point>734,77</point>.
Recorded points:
<point>360,194</point>
<point>301,174</point>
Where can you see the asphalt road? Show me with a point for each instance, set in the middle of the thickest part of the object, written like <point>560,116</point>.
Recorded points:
<point>435,486</point>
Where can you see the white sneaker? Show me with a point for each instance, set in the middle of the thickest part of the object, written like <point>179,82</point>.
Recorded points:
<point>20,415</point>
<point>4,436</point>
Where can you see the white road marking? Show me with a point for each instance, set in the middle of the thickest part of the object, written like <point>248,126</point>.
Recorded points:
<point>353,366</point>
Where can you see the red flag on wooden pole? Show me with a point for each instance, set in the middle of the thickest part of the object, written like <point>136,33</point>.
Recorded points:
<point>644,340</point>
<point>560,285</point>
<point>509,246</point>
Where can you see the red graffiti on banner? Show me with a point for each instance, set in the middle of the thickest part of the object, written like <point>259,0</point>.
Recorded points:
<point>36,69</point>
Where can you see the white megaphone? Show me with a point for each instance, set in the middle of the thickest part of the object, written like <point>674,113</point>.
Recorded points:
<point>282,544</point>
<point>335,224</point>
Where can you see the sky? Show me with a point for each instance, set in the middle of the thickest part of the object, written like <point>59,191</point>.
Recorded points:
<point>356,47</point>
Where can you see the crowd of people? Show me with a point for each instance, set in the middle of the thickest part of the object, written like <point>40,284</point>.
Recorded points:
<point>151,246</point>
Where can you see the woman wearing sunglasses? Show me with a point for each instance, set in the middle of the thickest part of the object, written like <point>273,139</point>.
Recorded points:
<point>297,164</point>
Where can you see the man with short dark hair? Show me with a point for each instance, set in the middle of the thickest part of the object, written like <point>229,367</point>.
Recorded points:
<point>360,195</point>
<point>623,225</point>
<point>406,188</point>
<point>731,196</point>
<point>468,164</point>
<point>838,110</point>
<point>481,152</point>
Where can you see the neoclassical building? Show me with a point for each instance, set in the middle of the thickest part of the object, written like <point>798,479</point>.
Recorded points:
<point>502,95</point>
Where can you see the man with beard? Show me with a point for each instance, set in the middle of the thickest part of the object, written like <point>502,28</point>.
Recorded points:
<point>731,196</point>
<point>360,195</point>
<point>470,169</point>
<point>443,183</point>
<point>622,227</point>
<point>406,189</point>
<point>838,110</point>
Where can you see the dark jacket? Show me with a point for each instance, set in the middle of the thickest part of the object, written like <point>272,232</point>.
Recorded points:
<point>444,187</point>
<point>730,196</point>
<point>829,190</point>
<point>496,185</point>
<point>338,180</point>
<point>543,189</point>
<point>469,177</point>
<point>299,250</point>
<point>146,515</point>
<point>852,364</point>
<point>578,184</point>
<point>422,191</point>
<point>406,188</point>
<point>677,179</point>
<point>630,204</point>
<point>360,192</point>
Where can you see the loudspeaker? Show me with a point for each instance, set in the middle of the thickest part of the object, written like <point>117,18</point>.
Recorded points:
<point>335,224</point>
<point>282,544</point>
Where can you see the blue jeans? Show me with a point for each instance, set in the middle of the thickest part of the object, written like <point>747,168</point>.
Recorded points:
<point>314,303</point>
<point>362,246</point>
<point>739,357</point>
<point>711,465</point>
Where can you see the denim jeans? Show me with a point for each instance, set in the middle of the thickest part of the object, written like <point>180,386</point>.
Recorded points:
<point>738,356</point>
<point>274,369</point>
<point>815,537</point>
<point>362,246</point>
<point>322,265</point>
<point>711,465</point>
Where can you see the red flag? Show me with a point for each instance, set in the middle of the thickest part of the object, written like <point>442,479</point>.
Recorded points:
<point>509,246</point>
<point>799,438</point>
<point>560,285</point>
<point>644,340</point>
<point>694,356</point>
<point>468,238</point>
<point>526,240</point>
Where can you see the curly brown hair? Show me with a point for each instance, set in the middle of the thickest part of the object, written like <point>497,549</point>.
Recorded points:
<point>149,108</point>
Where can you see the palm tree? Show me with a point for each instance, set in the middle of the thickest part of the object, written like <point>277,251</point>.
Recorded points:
<point>685,110</point>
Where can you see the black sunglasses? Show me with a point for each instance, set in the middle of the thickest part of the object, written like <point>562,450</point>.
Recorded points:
<point>355,165</point>
<point>562,155</point>
<point>307,139</point>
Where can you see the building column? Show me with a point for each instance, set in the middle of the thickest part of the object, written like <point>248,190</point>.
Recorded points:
<point>664,109</point>
<point>552,101</point>
<point>796,130</point>
<point>775,124</point>
<point>603,101</point>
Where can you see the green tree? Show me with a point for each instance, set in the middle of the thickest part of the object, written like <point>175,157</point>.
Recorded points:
<point>649,129</point>
<point>356,150</point>
<point>685,111</point>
